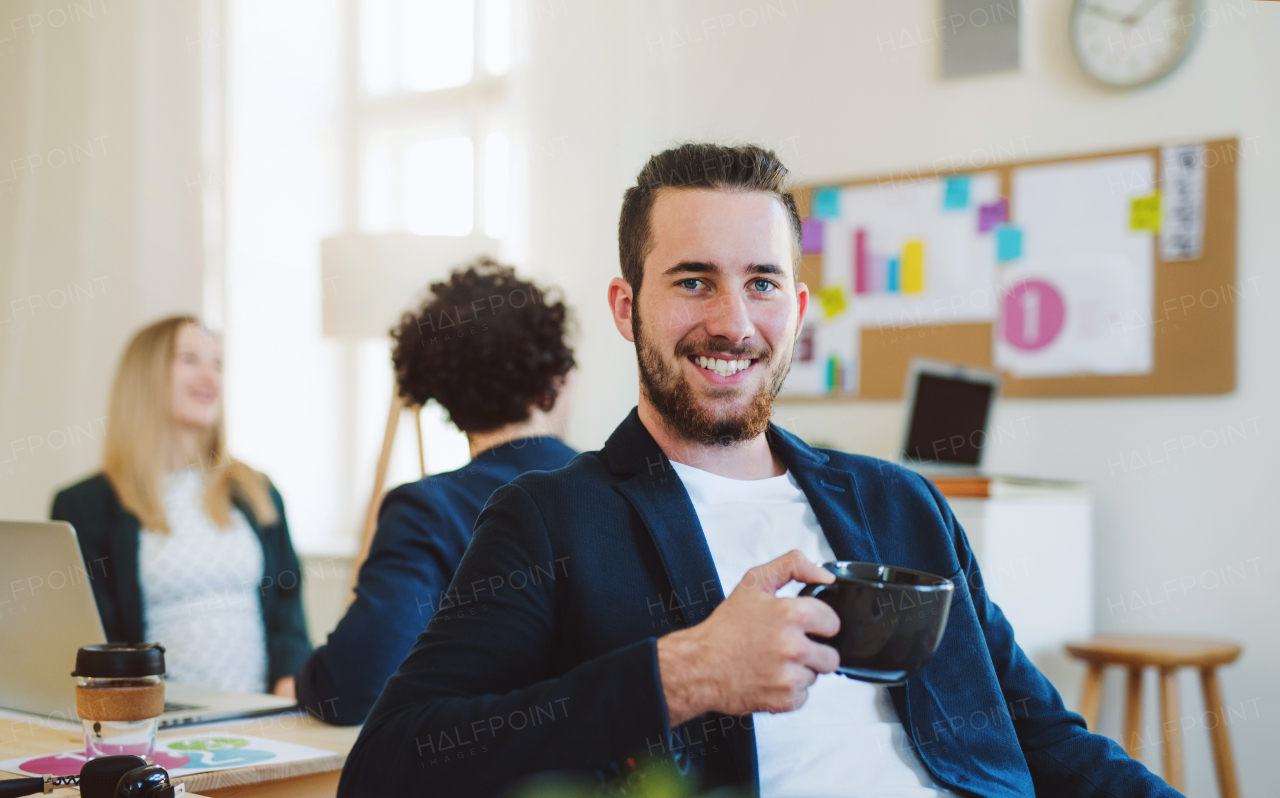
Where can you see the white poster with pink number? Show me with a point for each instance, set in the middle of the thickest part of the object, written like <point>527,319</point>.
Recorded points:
<point>1075,296</point>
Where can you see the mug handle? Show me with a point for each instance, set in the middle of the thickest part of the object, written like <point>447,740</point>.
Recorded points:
<point>814,588</point>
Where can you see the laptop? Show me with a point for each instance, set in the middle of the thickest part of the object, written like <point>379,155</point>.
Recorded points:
<point>47,612</point>
<point>947,421</point>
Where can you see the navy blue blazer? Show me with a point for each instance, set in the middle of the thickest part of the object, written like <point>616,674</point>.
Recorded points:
<point>423,529</point>
<point>544,656</point>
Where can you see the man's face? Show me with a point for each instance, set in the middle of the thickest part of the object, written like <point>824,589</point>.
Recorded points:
<point>718,311</point>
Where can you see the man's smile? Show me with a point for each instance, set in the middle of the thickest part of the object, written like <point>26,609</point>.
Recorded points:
<point>721,370</point>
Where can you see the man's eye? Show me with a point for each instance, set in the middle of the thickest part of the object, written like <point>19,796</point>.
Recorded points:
<point>691,284</point>
<point>763,285</point>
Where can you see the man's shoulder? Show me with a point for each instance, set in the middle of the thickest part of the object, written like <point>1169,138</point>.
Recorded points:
<point>879,475</point>
<point>586,471</point>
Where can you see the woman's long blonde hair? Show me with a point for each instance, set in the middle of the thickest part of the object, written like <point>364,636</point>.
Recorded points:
<point>138,424</point>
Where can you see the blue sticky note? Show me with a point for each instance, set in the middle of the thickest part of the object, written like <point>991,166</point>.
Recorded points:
<point>893,281</point>
<point>1008,243</point>
<point>826,202</point>
<point>955,197</point>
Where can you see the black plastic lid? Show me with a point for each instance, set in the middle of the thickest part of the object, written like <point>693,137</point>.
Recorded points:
<point>120,660</point>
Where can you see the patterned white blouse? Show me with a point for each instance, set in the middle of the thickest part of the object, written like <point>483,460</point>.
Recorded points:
<point>200,594</point>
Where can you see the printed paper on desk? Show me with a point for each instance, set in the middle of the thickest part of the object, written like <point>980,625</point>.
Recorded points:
<point>1079,248</point>
<point>183,756</point>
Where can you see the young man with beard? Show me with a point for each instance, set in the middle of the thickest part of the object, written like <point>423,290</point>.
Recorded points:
<point>590,628</point>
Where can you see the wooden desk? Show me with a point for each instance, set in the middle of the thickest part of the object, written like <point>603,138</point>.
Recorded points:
<point>315,777</point>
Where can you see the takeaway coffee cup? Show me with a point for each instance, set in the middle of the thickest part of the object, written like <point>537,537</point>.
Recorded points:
<point>119,696</point>
<point>891,619</point>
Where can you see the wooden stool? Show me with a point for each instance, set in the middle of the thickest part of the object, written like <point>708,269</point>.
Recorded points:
<point>1136,652</point>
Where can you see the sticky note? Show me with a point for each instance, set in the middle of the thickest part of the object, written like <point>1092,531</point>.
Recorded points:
<point>955,195</point>
<point>861,262</point>
<point>1144,213</point>
<point>993,215</point>
<point>811,236</point>
<point>1008,243</point>
<point>833,300</point>
<point>911,269</point>
<point>894,281</point>
<point>826,202</point>
<point>833,373</point>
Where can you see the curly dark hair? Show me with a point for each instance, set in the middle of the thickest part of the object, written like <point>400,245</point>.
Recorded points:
<point>486,345</point>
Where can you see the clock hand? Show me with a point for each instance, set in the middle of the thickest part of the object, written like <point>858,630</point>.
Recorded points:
<point>1100,11</point>
<point>1139,12</point>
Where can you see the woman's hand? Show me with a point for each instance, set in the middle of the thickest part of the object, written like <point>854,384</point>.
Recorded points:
<point>284,687</point>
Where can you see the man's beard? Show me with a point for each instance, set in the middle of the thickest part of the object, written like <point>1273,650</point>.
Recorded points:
<point>670,393</point>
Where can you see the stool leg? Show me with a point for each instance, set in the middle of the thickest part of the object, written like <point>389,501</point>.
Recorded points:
<point>1091,697</point>
<point>1172,729</point>
<point>1133,713</point>
<point>1222,760</point>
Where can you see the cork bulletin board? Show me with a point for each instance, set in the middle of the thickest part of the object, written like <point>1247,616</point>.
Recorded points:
<point>1191,318</point>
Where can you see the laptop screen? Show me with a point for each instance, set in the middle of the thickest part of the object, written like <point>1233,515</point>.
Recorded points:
<point>949,419</point>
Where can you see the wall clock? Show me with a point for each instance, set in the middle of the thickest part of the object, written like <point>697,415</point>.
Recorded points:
<point>1131,43</point>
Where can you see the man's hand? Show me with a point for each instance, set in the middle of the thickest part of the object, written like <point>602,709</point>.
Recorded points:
<point>751,655</point>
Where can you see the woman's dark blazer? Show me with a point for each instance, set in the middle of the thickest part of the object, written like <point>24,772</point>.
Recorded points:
<point>108,536</point>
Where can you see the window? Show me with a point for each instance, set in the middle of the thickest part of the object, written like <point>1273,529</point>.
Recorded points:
<point>433,150</point>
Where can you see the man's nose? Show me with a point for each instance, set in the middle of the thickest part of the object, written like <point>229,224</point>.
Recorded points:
<point>728,317</point>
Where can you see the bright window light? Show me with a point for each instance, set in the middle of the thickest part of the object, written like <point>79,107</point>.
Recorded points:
<point>377,58</point>
<point>377,214</point>
<point>497,170</point>
<point>437,43</point>
<point>497,36</point>
<point>438,187</point>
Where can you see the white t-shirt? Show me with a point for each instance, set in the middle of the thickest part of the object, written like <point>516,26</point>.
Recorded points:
<point>846,740</point>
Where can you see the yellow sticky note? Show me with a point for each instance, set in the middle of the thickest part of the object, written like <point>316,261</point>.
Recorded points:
<point>913,267</point>
<point>1144,213</point>
<point>833,300</point>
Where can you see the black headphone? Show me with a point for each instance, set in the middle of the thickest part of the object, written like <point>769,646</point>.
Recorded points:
<point>104,777</point>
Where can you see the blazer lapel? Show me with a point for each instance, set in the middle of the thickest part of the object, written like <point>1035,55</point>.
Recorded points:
<point>658,496</point>
<point>833,495</point>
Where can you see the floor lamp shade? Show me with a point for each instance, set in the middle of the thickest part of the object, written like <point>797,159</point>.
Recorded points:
<point>368,281</point>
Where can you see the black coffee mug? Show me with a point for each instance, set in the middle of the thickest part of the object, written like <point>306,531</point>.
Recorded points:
<point>891,619</point>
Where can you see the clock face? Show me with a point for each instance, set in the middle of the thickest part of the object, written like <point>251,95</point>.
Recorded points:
<point>1130,43</point>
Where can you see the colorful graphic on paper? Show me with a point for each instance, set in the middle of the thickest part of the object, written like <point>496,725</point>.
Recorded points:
<point>1033,316</point>
<point>881,272</point>
<point>182,756</point>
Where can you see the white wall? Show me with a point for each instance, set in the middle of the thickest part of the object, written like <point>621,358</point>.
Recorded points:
<point>611,83</point>
<point>100,218</point>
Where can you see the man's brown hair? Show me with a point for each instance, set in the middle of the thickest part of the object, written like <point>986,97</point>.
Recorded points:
<point>696,165</point>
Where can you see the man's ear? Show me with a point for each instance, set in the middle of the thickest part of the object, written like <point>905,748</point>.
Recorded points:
<point>802,304</point>
<point>620,301</point>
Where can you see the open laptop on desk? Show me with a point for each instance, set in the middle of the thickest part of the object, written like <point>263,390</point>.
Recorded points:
<point>47,612</point>
<point>949,410</point>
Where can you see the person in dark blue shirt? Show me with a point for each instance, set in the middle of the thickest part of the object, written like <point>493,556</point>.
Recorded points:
<point>490,348</point>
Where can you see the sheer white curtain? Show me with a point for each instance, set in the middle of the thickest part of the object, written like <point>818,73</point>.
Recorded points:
<point>101,208</point>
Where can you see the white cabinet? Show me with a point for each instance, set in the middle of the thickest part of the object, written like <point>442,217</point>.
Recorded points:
<point>1035,549</point>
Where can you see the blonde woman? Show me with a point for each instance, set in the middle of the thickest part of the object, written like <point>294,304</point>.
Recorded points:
<point>195,546</point>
